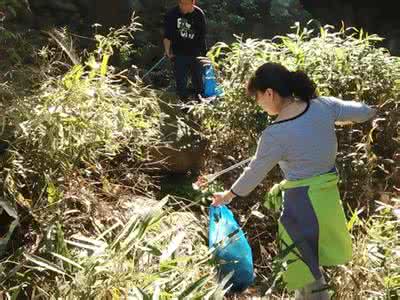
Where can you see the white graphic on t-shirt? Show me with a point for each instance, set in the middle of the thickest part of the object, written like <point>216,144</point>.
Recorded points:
<point>185,29</point>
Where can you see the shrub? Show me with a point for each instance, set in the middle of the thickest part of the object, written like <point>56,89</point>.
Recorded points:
<point>343,63</point>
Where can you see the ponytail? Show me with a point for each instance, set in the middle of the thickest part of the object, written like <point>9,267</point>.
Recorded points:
<point>287,84</point>
<point>302,86</point>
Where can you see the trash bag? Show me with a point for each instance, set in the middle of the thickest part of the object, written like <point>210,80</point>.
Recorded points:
<point>231,249</point>
<point>211,88</point>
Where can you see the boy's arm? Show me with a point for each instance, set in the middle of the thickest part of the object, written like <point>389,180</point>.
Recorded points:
<point>168,35</point>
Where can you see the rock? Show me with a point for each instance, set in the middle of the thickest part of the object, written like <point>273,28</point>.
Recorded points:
<point>182,149</point>
<point>180,161</point>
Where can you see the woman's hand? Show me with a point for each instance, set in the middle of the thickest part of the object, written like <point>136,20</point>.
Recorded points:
<point>222,198</point>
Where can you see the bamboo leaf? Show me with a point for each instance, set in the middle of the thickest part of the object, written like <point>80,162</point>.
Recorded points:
<point>104,65</point>
<point>194,287</point>
<point>173,246</point>
<point>67,260</point>
<point>41,262</point>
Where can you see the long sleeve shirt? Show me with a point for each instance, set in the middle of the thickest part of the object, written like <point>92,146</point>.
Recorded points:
<point>303,146</point>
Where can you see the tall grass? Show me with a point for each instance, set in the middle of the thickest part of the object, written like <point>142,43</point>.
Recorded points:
<point>374,271</point>
<point>347,64</point>
<point>75,120</point>
<point>343,63</point>
<point>71,177</point>
<point>78,144</point>
<point>156,254</point>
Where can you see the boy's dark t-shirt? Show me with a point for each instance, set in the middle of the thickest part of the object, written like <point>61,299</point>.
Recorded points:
<point>186,31</point>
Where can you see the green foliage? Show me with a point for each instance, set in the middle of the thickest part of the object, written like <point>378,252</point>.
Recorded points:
<point>77,125</point>
<point>232,15</point>
<point>12,5</point>
<point>14,46</point>
<point>86,127</point>
<point>84,116</point>
<point>346,64</point>
<point>70,140</point>
<point>373,273</point>
<point>343,63</point>
<point>156,254</point>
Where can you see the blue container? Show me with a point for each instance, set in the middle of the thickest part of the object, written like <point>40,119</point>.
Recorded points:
<point>232,250</point>
<point>211,88</point>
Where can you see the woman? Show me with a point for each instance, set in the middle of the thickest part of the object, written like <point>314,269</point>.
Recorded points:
<point>302,140</point>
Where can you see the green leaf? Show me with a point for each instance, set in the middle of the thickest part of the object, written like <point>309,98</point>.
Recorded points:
<point>41,262</point>
<point>104,65</point>
<point>67,260</point>
<point>194,287</point>
<point>53,194</point>
<point>354,219</point>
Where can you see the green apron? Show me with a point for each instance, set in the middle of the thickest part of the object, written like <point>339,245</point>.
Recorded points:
<point>312,227</point>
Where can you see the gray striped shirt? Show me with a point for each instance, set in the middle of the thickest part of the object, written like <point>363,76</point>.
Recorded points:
<point>303,146</point>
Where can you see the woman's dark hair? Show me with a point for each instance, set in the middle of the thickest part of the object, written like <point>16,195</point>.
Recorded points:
<point>281,80</point>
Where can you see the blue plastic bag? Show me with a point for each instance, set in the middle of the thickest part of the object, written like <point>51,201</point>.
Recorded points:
<point>232,251</point>
<point>211,88</point>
